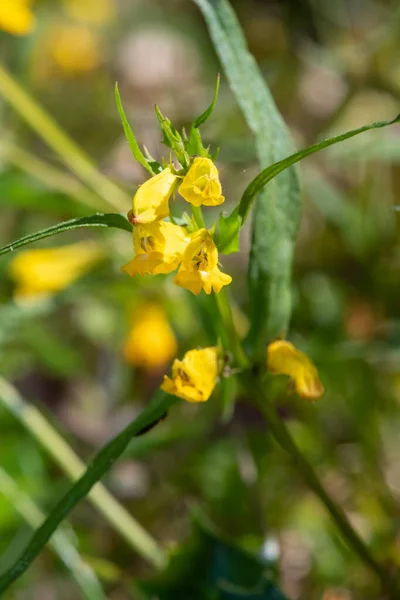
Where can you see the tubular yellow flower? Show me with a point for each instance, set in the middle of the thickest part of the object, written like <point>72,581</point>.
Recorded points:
<point>195,376</point>
<point>151,343</point>
<point>201,184</point>
<point>150,203</point>
<point>199,269</point>
<point>50,270</point>
<point>159,248</point>
<point>16,16</point>
<point>283,358</point>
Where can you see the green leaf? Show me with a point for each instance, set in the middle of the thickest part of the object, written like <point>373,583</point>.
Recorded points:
<point>108,220</point>
<point>228,232</point>
<point>95,471</point>
<point>207,113</point>
<point>136,151</point>
<point>207,567</point>
<point>277,210</point>
<point>272,171</point>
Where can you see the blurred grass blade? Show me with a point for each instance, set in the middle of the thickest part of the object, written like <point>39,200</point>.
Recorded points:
<point>50,176</point>
<point>133,145</point>
<point>61,542</point>
<point>277,210</point>
<point>207,113</point>
<point>108,220</point>
<point>95,471</point>
<point>49,438</point>
<point>273,170</point>
<point>69,152</point>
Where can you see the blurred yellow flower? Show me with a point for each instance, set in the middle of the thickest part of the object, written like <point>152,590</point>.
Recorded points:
<point>283,358</point>
<point>151,342</point>
<point>159,248</point>
<point>74,49</point>
<point>91,11</point>
<point>199,269</point>
<point>16,16</point>
<point>195,376</point>
<point>201,184</point>
<point>50,270</point>
<point>150,203</point>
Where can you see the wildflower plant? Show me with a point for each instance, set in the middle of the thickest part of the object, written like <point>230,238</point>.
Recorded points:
<point>189,249</point>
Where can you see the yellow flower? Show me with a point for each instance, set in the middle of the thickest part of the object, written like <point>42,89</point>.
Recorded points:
<point>201,184</point>
<point>158,247</point>
<point>195,376</point>
<point>283,358</point>
<point>74,49</point>
<point>16,16</point>
<point>50,270</point>
<point>91,11</point>
<point>150,203</point>
<point>151,342</point>
<point>199,269</point>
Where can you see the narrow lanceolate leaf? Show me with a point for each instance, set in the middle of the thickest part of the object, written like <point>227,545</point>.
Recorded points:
<point>207,113</point>
<point>272,171</point>
<point>108,220</point>
<point>133,145</point>
<point>277,210</point>
<point>95,471</point>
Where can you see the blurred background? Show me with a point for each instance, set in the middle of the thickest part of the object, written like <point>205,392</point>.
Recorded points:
<point>90,349</point>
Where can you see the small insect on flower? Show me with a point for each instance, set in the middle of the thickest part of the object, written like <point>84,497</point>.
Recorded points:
<point>50,270</point>
<point>199,269</point>
<point>195,376</point>
<point>159,248</point>
<point>283,358</point>
<point>150,343</point>
<point>16,16</point>
<point>150,203</point>
<point>201,184</point>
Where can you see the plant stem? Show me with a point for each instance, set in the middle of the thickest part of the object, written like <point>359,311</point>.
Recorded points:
<point>70,463</point>
<point>285,440</point>
<point>228,331</point>
<point>50,176</point>
<point>60,542</point>
<point>69,152</point>
<point>198,216</point>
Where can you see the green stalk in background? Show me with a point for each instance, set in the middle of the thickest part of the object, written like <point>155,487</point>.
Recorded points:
<point>61,543</point>
<point>49,175</point>
<point>69,152</point>
<point>281,434</point>
<point>118,517</point>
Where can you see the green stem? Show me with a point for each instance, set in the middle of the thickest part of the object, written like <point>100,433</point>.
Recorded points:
<point>229,334</point>
<point>285,440</point>
<point>198,216</point>
<point>69,152</point>
<point>71,464</point>
<point>50,176</point>
<point>60,542</point>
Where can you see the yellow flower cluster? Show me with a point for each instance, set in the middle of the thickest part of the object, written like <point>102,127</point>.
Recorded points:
<point>161,246</point>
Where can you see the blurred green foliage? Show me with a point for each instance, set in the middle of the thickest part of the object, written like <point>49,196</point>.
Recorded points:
<point>331,67</point>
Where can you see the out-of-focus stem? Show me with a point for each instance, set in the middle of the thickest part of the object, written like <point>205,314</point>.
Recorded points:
<point>60,542</point>
<point>285,440</point>
<point>69,152</point>
<point>230,336</point>
<point>51,176</point>
<point>62,453</point>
